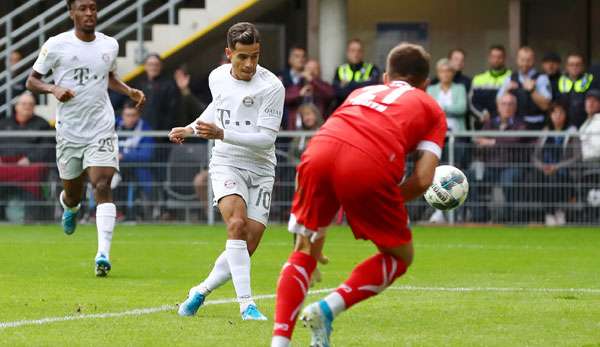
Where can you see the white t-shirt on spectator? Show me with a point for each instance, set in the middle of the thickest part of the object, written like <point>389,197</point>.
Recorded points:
<point>590,140</point>
<point>245,106</point>
<point>82,67</point>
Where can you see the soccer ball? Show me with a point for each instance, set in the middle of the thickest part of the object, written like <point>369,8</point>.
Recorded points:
<point>449,188</point>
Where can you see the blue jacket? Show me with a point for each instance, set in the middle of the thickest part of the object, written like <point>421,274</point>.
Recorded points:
<point>135,148</point>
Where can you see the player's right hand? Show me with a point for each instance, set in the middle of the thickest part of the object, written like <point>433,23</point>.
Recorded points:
<point>178,135</point>
<point>62,94</point>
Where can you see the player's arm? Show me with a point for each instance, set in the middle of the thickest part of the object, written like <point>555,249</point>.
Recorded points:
<point>263,139</point>
<point>115,83</point>
<point>47,61</point>
<point>35,84</point>
<point>178,134</point>
<point>421,177</point>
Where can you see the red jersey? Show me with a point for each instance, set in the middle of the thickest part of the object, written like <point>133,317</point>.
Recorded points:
<point>388,122</point>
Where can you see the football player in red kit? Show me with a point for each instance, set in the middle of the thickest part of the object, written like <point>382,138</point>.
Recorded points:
<point>356,161</point>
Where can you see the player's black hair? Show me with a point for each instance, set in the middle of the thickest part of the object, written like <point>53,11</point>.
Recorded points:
<point>498,48</point>
<point>70,3</point>
<point>244,33</point>
<point>408,62</point>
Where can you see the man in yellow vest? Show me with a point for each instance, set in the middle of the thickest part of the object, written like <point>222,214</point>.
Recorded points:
<point>355,73</point>
<point>485,86</point>
<point>572,87</point>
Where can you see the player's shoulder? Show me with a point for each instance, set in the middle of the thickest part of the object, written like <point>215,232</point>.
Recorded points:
<point>269,80</point>
<point>220,72</point>
<point>105,39</point>
<point>426,100</point>
<point>59,39</point>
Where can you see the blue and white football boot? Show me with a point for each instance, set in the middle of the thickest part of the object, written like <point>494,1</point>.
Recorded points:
<point>318,317</point>
<point>191,305</point>
<point>102,265</point>
<point>252,313</point>
<point>69,221</point>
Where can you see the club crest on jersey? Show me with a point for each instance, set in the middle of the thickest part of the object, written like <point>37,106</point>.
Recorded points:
<point>105,57</point>
<point>248,101</point>
<point>229,184</point>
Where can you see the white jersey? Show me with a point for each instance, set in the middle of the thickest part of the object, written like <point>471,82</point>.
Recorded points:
<point>245,106</point>
<point>82,67</point>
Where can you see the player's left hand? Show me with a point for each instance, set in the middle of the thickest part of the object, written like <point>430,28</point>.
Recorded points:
<point>137,96</point>
<point>209,131</point>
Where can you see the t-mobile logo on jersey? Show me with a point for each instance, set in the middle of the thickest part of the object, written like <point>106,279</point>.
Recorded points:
<point>81,75</point>
<point>224,117</point>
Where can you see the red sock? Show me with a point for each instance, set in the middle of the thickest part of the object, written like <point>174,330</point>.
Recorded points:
<point>291,289</point>
<point>370,278</point>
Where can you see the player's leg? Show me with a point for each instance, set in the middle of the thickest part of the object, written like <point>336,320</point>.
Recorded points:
<point>70,199</point>
<point>106,213</point>
<point>239,227</point>
<point>292,287</point>
<point>314,206</point>
<point>70,169</point>
<point>220,272</point>
<point>384,223</point>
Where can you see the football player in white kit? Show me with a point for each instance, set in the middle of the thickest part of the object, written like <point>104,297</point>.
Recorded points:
<point>243,119</point>
<point>83,66</point>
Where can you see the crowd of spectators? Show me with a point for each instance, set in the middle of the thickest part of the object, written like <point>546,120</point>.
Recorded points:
<point>557,97</point>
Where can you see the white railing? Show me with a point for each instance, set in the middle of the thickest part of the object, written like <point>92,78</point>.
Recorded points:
<point>523,200</point>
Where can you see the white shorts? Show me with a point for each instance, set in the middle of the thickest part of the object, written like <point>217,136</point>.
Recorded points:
<point>254,189</point>
<point>73,158</point>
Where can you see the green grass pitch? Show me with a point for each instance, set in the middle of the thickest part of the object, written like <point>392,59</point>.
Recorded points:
<point>467,287</point>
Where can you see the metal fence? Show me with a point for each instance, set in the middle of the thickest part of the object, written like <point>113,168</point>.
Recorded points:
<point>511,181</point>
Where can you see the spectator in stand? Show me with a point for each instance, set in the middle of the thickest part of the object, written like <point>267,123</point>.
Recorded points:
<point>189,106</point>
<point>161,95</point>
<point>532,90</point>
<point>19,85</point>
<point>590,151</point>
<point>551,67</point>
<point>501,157</point>
<point>456,57</point>
<point>355,73</point>
<point>23,159</point>
<point>485,86</point>
<point>552,158</point>
<point>321,93</point>
<point>312,89</point>
<point>590,140</point>
<point>135,152</point>
<point>293,81</point>
<point>311,121</point>
<point>452,98</point>
<point>573,86</point>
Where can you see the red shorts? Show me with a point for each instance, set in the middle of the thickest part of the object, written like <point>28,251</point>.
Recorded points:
<point>333,174</point>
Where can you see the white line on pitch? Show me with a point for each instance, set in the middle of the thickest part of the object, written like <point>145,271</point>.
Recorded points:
<point>150,310</point>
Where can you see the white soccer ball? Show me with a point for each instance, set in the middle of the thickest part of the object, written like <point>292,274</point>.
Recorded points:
<point>449,188</point>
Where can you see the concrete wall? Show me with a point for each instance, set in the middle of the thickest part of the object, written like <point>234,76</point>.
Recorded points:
<point>470,24</point>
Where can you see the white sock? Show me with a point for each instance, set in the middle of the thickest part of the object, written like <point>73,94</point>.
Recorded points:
<point>238,258</point>
<point>280,341</point>
<point>106,215</point>
<point>336,303</point>
<point>62,203</point>
<point>219,275</point>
